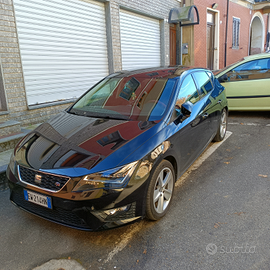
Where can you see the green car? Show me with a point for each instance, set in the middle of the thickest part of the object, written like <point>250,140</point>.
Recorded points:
<point>247,83</point>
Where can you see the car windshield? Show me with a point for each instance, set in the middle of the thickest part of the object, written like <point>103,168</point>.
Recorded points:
<point>137,97</point>
<point>216,72</point>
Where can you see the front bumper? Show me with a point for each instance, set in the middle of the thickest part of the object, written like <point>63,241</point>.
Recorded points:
<point>82,214</point>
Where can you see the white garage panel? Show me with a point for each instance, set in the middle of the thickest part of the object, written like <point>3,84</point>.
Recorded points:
<point>63,47</point>
<point>140,41</point>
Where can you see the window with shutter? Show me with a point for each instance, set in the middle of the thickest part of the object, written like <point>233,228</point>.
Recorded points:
<point>236,32</point>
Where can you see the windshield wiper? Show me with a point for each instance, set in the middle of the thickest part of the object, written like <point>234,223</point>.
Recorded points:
<point>113,117</point>
<point>95,115</point>
<point>75,113</point>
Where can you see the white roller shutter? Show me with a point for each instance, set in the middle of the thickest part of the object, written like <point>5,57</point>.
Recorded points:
<point>140,41</point>
<point>63,47</point>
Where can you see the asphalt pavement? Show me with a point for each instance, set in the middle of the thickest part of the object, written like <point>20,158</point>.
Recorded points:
<point>219,219</point>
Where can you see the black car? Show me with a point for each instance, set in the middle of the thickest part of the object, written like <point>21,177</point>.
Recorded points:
<point>115,154</point>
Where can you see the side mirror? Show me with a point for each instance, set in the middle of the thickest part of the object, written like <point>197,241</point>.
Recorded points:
<point>223,78</point>
<point>182,113</point>
<point>186,108</point>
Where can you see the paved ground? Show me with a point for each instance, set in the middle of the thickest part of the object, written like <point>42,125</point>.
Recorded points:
<point>219,218</point>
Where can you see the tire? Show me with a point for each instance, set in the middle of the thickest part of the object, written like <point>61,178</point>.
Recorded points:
<point>222,126</point>
<point>160,191</point>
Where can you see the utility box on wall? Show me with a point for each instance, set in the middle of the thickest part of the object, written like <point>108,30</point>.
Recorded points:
<point>185,48</point>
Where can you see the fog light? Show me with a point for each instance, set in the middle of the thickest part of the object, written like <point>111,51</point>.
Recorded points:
<point>116,214</point>
<point>116,210</point>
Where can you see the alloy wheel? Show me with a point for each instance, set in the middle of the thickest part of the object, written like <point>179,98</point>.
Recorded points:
<point>163,190</point>
<point>223,124</point>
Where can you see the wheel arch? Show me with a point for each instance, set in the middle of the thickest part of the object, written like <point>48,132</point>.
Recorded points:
<point>173,161</point>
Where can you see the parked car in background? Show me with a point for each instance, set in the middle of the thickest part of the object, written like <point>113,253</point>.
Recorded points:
<point>115,154</point>
<point>247,83</point>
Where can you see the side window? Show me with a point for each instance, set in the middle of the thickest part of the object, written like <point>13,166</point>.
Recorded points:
<point>259,64</point>
<point>188,92</point>
<point>203,81</point>
<point>252,70</point>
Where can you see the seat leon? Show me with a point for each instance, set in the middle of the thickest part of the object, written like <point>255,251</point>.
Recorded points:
<point>113,156</point>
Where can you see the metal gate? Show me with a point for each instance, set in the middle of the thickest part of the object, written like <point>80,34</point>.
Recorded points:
<point>63,47</point>
<point>140,41</point>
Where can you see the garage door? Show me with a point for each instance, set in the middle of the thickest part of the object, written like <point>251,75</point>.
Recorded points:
<point>63,47</point>
<point>140,41</point>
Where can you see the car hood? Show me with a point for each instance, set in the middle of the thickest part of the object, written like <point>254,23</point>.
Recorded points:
<point>79,142</point>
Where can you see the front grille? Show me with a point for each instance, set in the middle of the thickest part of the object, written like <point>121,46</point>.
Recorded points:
<point>45,180</point>
<point>56,214</point>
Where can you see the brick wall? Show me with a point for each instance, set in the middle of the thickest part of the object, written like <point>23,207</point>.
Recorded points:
<point>245,17</point>
<point>235,10</point>
<point>9,56</point>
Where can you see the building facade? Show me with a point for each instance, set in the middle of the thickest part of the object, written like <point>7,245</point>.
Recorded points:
<point>228,31</point>
<point>53,51</point>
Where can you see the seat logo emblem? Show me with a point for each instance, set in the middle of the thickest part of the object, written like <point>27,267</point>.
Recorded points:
<point>57,184</point>
<point>38,179</point>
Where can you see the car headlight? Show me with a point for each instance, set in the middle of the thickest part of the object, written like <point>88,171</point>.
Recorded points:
<point>113,178</point>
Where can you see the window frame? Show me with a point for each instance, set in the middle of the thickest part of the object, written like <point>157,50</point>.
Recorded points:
<point>3,100</point>
<point>236,33</point>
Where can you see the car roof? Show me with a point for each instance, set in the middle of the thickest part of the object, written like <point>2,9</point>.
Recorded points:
<point>158,72</point>
<point>248,58</point>
<point>256,56</point>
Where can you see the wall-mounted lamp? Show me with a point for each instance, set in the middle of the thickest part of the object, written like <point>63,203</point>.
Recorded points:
<point>215,5</point>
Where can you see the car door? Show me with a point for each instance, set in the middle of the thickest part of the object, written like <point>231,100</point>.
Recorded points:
<point>247,86</point>
<point>191,133</point>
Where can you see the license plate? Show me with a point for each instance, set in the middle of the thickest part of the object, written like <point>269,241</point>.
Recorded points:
<point>38,199</point>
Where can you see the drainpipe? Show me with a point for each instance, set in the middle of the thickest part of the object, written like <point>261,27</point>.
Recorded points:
<point>268,33</point>
<point>179,41</point>
<point>226,34</point>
